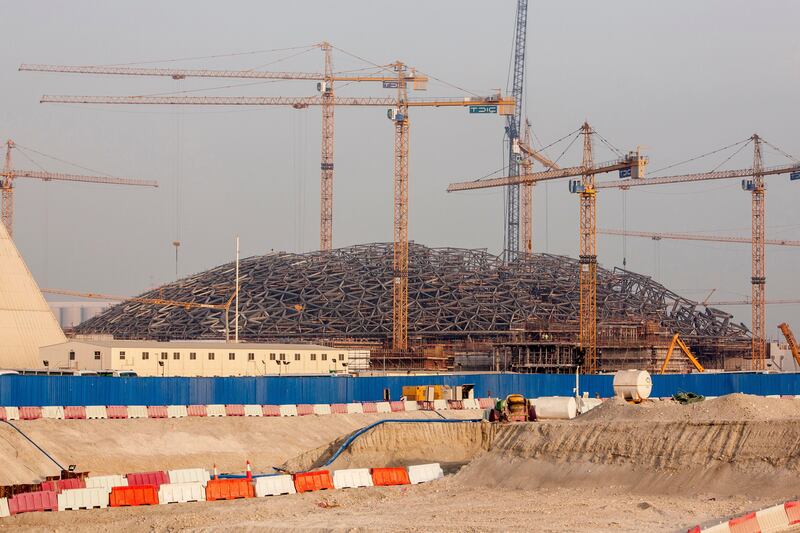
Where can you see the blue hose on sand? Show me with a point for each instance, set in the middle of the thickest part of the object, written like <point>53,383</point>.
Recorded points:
<point>346,444</point>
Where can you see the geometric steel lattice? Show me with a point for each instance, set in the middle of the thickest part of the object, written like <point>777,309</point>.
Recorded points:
<point>453,293</point>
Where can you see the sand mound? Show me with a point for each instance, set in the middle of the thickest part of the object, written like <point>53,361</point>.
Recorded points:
<point>733,407</point>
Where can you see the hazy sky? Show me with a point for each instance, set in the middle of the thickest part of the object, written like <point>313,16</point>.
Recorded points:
<point>680,78</point>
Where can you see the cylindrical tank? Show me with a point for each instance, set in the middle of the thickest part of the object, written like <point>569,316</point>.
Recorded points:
<point>633,385</point>
<point>587,404</point>
<point>70,316</point>
<point>556,408</point>
<point>90,311</point>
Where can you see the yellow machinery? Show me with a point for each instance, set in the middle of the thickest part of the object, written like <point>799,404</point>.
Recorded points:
<point>676,340</point>
<point>515,408</point>
<point>423,393</point>
<point>791,341</point>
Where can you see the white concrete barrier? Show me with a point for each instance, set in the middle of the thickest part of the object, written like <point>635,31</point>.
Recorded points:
<point>4,508</point>
<point>12,413</point>
<point>181,493</point>
<point>287,410</point>
<point>106,482</point>
<point>772,396</point>
<point>440,405</point>
<point>355,408</point>
<point>253,410</point>
<point>411,406</point>
<point>96,412</point>
<point>424,473</point>
<point>215,410</point>
<point>471,403</point>
<point>54,412</point>
<point>773,519</point>
<point>352,478</point>
<point>74,499</point>
<point>274,485</point>
<point>137,411</point>
<point>177,411</point>
<point>322,409</point>
<point>189,475</point>
<point>383,407</point>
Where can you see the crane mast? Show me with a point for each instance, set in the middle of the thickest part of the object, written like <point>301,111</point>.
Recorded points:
<point>758,279</point>
<point>513,125</point>
<point>326,165</point>
<point>400,264</point>
<point>588,257</point>
<point>8,191</point>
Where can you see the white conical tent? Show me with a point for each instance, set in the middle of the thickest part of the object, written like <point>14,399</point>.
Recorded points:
<point>26,321</point>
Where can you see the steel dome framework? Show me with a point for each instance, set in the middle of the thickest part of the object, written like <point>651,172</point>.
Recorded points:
<point>453,293</point>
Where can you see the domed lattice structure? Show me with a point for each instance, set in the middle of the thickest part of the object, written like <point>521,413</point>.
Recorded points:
<point>453,293</point>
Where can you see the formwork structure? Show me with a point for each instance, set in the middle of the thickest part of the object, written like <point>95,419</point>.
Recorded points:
<point>463,304</point>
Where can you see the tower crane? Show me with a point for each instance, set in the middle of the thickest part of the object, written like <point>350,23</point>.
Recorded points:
<point>633,166</point>
<point>692,237</point>
<point>151,301</point>
<point>9,174</point>
<point>513,126</point>
<point>397,113</point>
<point>325,86</point>
<point>523,150</point>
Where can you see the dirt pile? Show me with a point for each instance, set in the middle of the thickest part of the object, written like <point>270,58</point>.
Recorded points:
<point>120,446</point>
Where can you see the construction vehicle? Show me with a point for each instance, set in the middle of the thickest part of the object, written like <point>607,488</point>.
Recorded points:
<point>515,408</point>
<point>677,341</point>
<point>791,341</point>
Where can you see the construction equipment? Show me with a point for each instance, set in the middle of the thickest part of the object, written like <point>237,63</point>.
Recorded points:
<point>677,341</point>
<point>325,87</point>
<point>10,174</point>
<point>151,301</point>
<point>791,341</point>
<point>397,113</point>
<point>515,408</point>
<point>692,237</point>
<point>632,166</point>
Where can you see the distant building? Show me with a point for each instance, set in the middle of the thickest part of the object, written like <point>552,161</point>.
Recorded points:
<point>196,358</point>
<point>70,314</point>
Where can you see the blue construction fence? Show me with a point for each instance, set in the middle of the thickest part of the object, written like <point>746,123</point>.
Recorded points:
<point>96,390</point>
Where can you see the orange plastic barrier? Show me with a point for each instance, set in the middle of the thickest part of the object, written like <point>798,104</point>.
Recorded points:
<point>339,408</point>
<point>229,489</point>
<point>196,410</point>
<point>745,524</point>
<point>134,495</point>
<point>61,484</point>
<point>309,481</point>
<point>384,477</point>
<point>155,479</point>
<point>30,413</point>
<point>29,502</point>
<point>234,410</point>
<point>369,407</point>
<point>793,512</point>
<point>270,410</point>
<point>117,412</point>
<point>156,411</point>
<point>304,409</point>
<point>74,411</point>
<point>397,406</point>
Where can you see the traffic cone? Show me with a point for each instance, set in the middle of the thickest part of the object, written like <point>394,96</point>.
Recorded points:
<point>216,474</point>
<point>249,472</point>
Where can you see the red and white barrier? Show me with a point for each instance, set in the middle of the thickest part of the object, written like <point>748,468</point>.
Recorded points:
<point>53,412</point>
<point>96,412</point>
<point>253,410</point>
<point>215,410</point>
<point>137,411</point>
<point>352,478</point>
<point>4,508</point>
<point>274,486</point>
<point>424,473</point>
<point>177,411</point>
<point>106,482</point>
<point>181,493</point>
<point>775,518</point>
<point>88,498</point>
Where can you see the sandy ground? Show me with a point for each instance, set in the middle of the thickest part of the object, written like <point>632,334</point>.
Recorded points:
<point>653,467</point>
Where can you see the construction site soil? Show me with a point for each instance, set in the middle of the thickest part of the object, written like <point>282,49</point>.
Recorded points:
<point>656,466</point>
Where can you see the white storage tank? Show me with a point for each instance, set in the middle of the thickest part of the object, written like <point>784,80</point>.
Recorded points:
<point>555,408</point>
<point>633,385</point>
<point>91,311</point>
<point>70,316</point>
